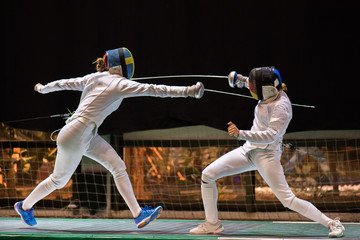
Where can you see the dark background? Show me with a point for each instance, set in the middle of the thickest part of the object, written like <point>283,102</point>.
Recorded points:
<point>314,45</point>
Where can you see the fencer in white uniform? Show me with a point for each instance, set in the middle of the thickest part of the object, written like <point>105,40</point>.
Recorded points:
<point>102,93</point>
<point>262,152</point>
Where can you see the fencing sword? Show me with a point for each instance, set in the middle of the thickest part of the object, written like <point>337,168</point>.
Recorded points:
<point>66,115</point>
<point>211,90</point>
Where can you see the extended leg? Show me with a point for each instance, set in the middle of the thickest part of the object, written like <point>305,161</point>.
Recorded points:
<point>72,142</point>
<point>269,167</point>
<point>102,152</point>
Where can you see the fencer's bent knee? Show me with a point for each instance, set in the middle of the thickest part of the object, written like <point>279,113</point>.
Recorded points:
<point>116,168</point>
<point>209,173</point>
<point>119,173</point>
<point>59,182</point>
<point>206,181</point>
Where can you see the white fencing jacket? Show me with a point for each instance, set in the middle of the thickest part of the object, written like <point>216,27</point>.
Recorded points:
<point>102,93</point>
<point>269,125</point>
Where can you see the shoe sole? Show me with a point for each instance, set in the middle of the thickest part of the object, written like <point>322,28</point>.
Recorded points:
<point>151,218</point>
<point>214,232</point>
<point>337,236</point>
<point>16,209</point>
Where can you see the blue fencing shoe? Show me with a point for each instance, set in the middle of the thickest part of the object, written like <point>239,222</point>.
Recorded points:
<point>147,215</point>
<point>26,215</point>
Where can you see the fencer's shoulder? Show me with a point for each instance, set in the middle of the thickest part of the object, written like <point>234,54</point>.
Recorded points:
<point>283,102</point>
<point>104,73</point>
<point>112,75</point>
<point>92,75</point>
<point>283,98</point>
<point>101,75</point>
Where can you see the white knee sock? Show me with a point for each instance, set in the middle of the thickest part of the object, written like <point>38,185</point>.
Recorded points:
<point>124,187</point>
<point>209,195</point>
<point>42,190</point>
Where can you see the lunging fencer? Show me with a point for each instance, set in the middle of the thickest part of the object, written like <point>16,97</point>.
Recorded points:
<point>102,93</point>
<point>262,152</point>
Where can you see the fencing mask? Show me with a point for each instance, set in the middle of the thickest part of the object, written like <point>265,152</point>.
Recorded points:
<point>120,61</point>
<point>263,82</point>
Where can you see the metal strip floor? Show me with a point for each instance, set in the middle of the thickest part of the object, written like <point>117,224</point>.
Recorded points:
<point>47,228</point>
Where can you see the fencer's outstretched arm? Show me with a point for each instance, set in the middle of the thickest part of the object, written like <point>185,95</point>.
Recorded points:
<point>129,88</point>
<point>75,84</point>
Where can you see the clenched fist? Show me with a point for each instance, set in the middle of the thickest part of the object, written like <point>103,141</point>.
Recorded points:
<point>37,87</point>
<point>233,130</point>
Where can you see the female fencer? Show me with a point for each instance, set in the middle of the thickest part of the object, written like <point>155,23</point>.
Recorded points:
<point>102,93</point>
<point>261,151</point>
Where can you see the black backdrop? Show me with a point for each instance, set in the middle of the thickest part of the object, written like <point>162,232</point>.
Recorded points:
<point>313,44</point>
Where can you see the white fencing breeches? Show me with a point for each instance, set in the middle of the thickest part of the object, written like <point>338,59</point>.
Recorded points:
<point>75,140</point>
<point>267,163</point>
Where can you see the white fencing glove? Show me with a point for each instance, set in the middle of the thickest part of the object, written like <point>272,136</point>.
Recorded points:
<point>196,91</point>
<point>237,79</point>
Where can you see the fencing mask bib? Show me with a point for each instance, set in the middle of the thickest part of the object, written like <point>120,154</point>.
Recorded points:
<point>120,61</point>
<point>263,82</point>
